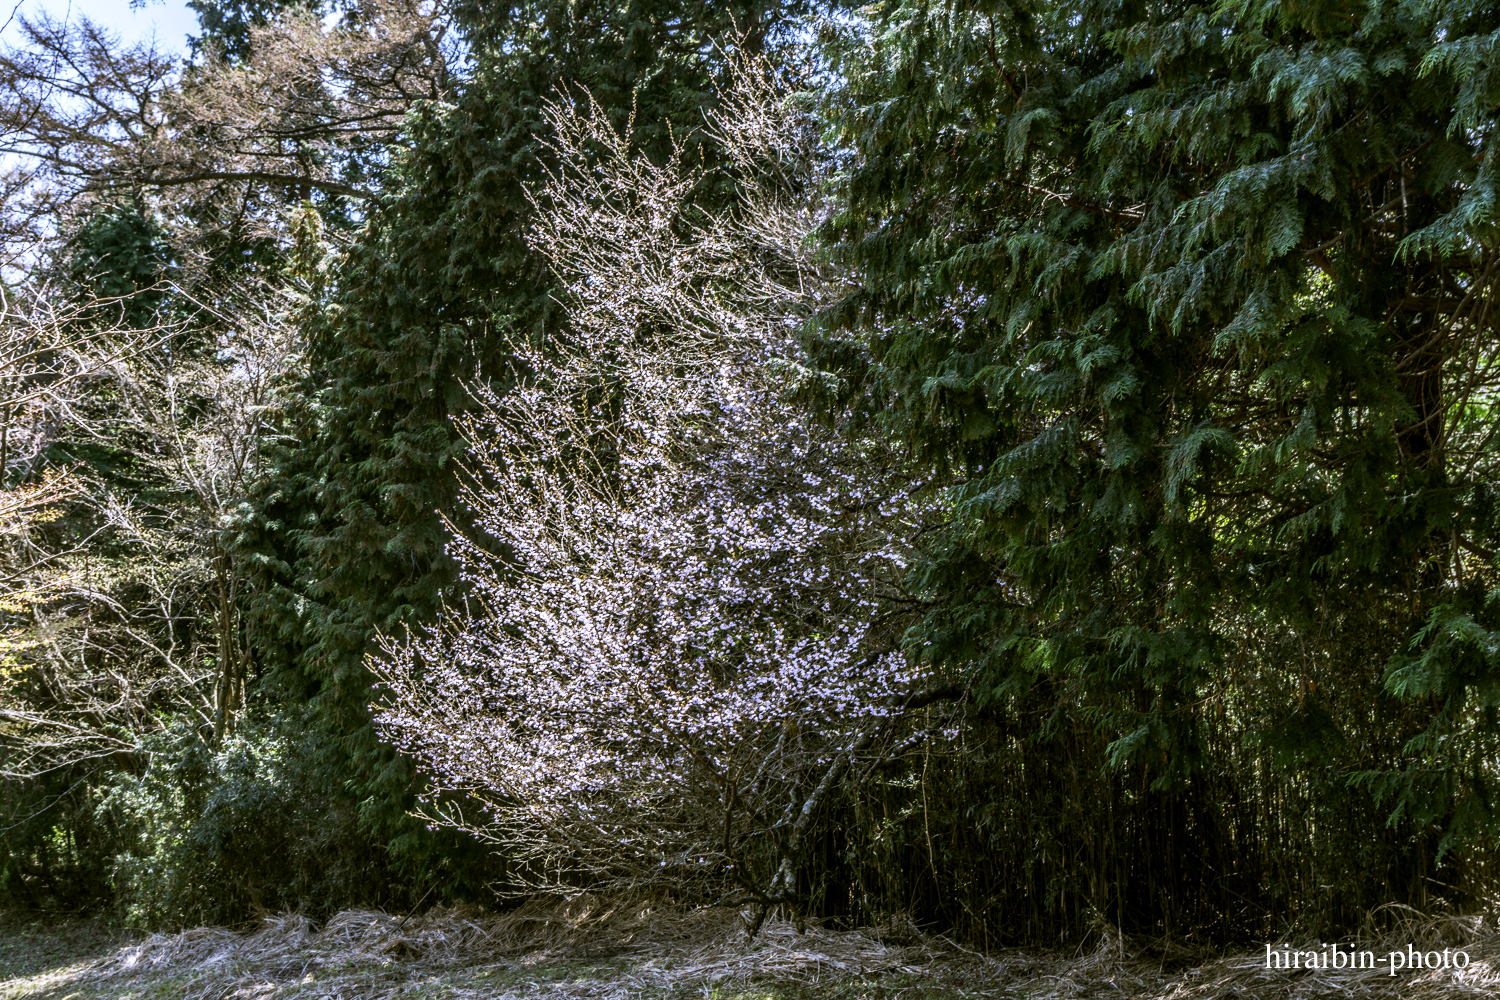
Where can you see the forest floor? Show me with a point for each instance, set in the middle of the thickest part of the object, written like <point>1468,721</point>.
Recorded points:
<point>592,949</point>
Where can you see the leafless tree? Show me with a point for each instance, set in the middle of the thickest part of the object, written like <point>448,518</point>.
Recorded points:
<point>141,615</point>
<point>82,115</point>
<point>53,347</point>
<point>108,640</point>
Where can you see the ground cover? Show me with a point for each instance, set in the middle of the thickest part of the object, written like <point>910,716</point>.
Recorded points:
<point>589,948</point>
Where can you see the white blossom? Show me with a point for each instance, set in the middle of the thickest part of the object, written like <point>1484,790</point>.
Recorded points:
<point>678,630</point>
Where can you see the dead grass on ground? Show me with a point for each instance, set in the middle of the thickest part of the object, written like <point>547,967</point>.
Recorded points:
<point>592,948</point>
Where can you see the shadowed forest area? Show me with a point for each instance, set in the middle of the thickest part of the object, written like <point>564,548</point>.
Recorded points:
<point>1024,474</point>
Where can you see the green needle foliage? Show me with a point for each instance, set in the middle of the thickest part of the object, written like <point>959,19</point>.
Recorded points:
<point>226,24</point>
<point>1191,306</point>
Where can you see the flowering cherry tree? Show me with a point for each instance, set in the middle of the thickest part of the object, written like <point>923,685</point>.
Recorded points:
<point>681,627</point>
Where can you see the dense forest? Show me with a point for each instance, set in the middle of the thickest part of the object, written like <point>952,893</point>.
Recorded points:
<point>1030,466</point>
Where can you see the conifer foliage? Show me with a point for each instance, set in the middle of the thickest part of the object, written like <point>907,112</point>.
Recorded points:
<point>1192,303</point>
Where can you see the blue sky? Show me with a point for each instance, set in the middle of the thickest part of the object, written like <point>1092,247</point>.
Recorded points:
<point>169,21</point>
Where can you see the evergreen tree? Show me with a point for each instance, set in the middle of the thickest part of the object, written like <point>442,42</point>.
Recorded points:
<point>226,24</point>
<point>119,260</point>
<point>1190,305</point>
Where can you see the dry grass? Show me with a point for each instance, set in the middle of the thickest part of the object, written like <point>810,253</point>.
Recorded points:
<point>29,947</point>
<point>590,948</point>
<point>582,948</point>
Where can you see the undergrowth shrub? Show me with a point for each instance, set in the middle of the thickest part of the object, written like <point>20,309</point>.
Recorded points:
<point>199,834</point>
<point>216,835</point>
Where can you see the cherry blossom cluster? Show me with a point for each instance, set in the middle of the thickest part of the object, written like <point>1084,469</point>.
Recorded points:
<point>678,626</point>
